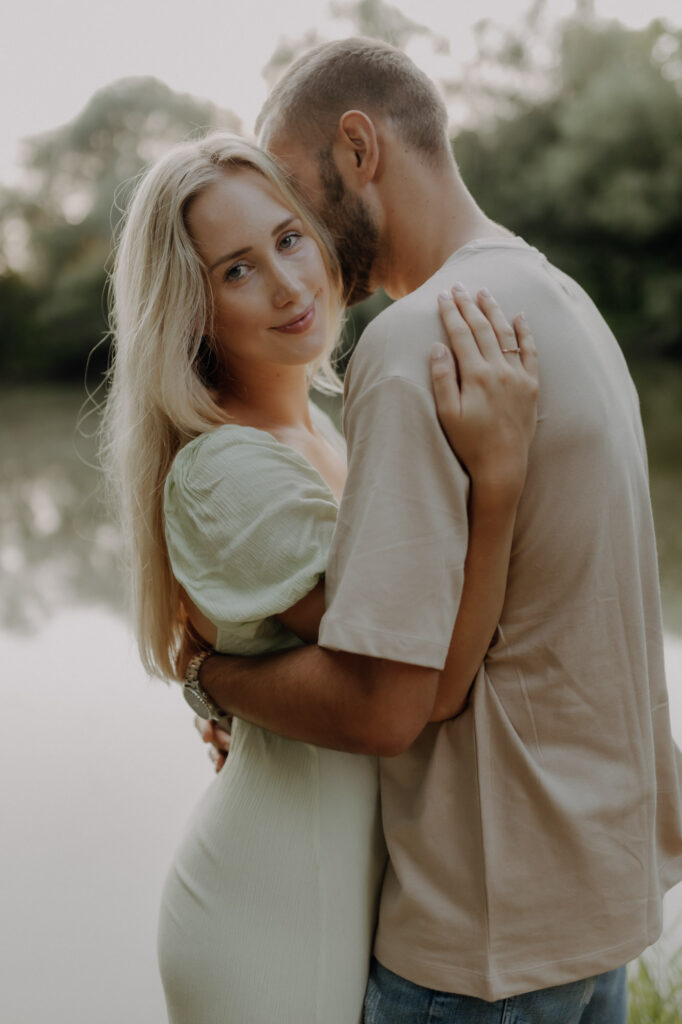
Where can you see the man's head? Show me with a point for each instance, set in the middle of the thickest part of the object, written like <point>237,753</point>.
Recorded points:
<point>343,91</point>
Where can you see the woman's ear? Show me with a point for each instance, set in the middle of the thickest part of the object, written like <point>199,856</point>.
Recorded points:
<point>356,151</point>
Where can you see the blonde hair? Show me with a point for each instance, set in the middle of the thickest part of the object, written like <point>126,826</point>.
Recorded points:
<point>161,394</point>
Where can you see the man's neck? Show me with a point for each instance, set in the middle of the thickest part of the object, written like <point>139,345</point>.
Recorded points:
<point>440,217</point>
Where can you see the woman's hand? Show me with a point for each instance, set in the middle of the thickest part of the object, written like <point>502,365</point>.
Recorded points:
<point>219,740</point>
<point>486,396</point>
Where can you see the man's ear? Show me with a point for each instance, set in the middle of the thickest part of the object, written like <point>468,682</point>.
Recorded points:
<point>356,150</point>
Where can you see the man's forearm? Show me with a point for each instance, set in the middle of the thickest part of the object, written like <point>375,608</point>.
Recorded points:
<point>329,698</point>
<point>283,693</point>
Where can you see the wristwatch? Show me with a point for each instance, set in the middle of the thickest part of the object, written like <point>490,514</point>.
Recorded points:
<point>194,693</point>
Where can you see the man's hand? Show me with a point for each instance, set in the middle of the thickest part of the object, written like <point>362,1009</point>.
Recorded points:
<point>218,739</point>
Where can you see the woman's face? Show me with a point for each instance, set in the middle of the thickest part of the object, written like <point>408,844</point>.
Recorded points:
<point>270,286</point>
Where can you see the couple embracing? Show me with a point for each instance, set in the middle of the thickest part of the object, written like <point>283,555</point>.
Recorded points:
<point>452,793</point>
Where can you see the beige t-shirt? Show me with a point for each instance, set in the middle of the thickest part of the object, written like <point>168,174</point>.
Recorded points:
<point>532,837</point>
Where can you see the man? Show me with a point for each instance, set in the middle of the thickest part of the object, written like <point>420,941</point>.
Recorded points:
<point>532,836</point>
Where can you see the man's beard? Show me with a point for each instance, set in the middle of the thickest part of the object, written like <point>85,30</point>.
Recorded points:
<point>354,233</point>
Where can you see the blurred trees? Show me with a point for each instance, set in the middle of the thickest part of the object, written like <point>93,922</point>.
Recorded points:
<point>589,168</point>
<point>62,221</point>
<point>569,134</point>
<point>372,18</point>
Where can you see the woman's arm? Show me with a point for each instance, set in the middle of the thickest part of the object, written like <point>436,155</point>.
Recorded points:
<point>305,616</point>
<point>487,408</point>
<point>485,577</point>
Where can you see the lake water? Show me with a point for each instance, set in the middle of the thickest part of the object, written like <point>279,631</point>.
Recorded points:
<point>100,765</point>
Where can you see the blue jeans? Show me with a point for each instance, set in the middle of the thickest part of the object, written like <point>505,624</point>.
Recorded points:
<point>393,1000</point>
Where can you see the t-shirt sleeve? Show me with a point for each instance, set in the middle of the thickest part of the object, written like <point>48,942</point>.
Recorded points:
<point>248,527</point>
<point>396,566</point>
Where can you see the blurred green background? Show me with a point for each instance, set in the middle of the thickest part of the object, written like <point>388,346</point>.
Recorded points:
<point>570,134</point>
<point>572,138</point>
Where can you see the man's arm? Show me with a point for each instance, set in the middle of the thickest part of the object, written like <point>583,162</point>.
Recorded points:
<point>343,701</point>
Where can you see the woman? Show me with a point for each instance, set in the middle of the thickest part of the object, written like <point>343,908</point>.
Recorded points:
<point>226,305</point>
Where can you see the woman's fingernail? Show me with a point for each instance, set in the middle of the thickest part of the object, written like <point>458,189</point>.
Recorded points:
<point>524,319</point>
<point>438,351</point>
<point>459,287</point>
<point>485,293</point>
<point>445,296</point>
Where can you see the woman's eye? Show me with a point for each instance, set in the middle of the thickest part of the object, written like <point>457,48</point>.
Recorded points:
<point>289,240</point>
<point>235,273</point>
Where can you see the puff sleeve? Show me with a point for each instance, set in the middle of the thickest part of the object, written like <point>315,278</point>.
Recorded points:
<point>248,526</point>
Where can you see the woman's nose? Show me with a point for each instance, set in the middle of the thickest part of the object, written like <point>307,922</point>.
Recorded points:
<point>286,286</point>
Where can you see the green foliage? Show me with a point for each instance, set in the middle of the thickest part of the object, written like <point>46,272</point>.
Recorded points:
<point>379,20</point>
<point>70,211</point>
<point>17,329</point>
<point>572,137</point>
<point>653,999</point>
<point>77,169</point>
<point>659,385</point>
<point>372,18</point>
<point>592,174</point>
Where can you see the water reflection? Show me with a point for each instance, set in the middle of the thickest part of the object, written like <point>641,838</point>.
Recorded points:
<point>57,544</point>
<point>101,768</point>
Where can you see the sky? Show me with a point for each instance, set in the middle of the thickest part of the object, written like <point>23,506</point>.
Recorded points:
<point>57,54</point>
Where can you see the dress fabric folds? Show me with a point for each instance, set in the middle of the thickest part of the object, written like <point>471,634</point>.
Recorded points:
<point>269,906</point>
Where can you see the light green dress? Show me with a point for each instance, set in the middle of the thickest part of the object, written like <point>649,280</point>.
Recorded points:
<point>269,908</point>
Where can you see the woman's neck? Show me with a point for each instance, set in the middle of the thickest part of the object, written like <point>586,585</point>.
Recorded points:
<point>273,398</point>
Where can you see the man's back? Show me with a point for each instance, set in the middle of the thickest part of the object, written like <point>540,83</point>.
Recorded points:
<point>531,837</point>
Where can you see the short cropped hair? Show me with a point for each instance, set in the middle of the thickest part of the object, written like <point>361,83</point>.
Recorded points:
<point>362,74</point>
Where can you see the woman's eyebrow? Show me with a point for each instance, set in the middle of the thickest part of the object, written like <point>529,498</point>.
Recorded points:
<point>248,248</point>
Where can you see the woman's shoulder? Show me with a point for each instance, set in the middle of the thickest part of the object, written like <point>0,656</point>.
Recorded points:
<point>241,468</point>
<point>222,444</point>
<point>231,450</point>
<point>248,524</point>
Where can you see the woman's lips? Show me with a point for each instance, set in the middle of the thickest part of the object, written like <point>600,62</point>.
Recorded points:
<point>300,323</point>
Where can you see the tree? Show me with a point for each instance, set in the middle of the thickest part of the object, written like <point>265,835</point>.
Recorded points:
<point>372,18</point>
<point>592,173</point>
<point>77,179</point>
<point>570,133</point>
